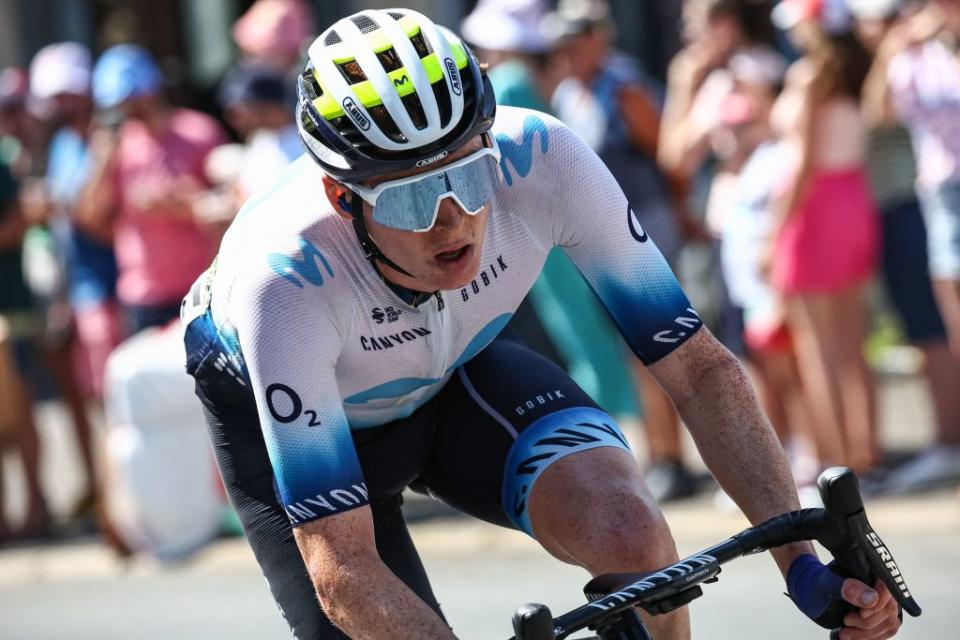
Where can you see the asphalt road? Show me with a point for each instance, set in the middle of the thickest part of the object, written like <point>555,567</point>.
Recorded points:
<point>480,574</point>
<point>77,590</point>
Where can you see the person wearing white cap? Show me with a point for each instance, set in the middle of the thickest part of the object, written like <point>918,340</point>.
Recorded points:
<point>60,69</point>
<point>60,89</point>
<point>509,37</point>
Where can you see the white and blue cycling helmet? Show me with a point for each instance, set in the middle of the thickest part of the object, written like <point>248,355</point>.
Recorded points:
<point>385,90</point>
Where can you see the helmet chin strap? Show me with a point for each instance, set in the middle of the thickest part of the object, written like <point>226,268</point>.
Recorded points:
<point>370,248</point>
<point>373,252</point>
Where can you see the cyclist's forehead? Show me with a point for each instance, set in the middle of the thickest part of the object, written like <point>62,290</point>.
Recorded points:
<point>472,145</point>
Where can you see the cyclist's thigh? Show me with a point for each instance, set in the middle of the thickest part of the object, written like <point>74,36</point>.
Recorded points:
<point>244,465</point>
<point>504,418</point>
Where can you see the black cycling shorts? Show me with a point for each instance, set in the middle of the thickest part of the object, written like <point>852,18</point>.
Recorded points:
<point>478,445</point>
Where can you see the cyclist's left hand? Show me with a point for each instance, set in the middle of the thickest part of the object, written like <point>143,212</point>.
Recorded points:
<point>878,616</point>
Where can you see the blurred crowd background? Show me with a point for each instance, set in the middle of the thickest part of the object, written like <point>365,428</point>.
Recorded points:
<point>797,162</point>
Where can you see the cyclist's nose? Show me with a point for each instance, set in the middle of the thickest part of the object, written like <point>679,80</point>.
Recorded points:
<point>450,216</point>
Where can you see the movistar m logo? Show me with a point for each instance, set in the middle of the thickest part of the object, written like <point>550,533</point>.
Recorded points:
<point>402,80</point>
<point>306,268</point>
<point>520,155</point>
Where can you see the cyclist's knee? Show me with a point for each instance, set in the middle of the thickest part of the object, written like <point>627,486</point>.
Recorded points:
<point>626,532</point>
<point>631,535</point>
<point>593,510</point>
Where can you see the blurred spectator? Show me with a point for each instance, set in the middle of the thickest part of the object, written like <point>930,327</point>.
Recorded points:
<point>13,94</point>
<point>508,36</point>
<point>50,334</point>
<point>760,160</point>
<point>696,146</point>
<point>272,141</point>
<point>697,79</point>
<point>924,77</point>
<point>905,241</point>
<point>60,79</point>
<point>272,33</point>
<point>825,236</point>
<point>18,324</point>
<point>147,170</point>
<point>256,103</point>
<point>615,108</point>
<point>60,87</point>
<point>20,133</point>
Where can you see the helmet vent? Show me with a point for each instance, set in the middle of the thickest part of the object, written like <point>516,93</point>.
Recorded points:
<point>389,60</point>
<point>364,23</point>
<point>415,109</point>
<point>443,101</point>
<point>420,44</point>
<point>396,15</point>
<point>386,123</point>
<point>351,72</point>
<point>332,38</point>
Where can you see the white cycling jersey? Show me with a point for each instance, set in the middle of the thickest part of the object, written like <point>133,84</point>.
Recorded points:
<point>328,347</point>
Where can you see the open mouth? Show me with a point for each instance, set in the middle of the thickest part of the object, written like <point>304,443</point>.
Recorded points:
<point>455,255</point>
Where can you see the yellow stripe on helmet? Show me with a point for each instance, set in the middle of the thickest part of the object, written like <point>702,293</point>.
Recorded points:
<point>325,104</point>
<point>409,25</point>
<point>366,93</point>
<point>431,65</point>
<point>459,54</point>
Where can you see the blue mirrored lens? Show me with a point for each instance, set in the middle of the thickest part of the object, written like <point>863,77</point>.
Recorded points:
<point>413,206</point>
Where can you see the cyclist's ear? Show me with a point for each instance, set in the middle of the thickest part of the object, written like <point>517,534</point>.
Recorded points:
<point>339,197</point>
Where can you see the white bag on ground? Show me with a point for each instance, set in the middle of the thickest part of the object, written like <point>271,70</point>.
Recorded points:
<point>162,494</point>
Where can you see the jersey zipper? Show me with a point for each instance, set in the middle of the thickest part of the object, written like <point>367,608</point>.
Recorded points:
<point>440,357</point>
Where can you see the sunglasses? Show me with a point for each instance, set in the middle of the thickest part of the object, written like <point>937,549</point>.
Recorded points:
<point>412,203</point>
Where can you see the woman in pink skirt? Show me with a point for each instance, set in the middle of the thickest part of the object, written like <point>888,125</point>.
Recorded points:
<point>825,246</point>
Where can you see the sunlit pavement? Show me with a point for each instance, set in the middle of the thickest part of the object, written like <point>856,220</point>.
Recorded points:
<point>78,590</point>
<point>480,574</point>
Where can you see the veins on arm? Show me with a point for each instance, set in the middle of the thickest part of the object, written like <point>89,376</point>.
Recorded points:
<point>716,401</point>
<point>358,592</point>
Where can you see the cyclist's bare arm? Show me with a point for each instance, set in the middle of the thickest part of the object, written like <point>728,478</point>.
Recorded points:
<point>357,591</point>
<point>717,403</point>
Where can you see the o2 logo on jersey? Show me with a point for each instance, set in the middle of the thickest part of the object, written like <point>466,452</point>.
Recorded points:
<point>286,406</point>
<point>635,229</point>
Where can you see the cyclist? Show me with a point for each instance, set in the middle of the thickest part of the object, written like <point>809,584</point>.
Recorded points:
<point>347,344</point>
